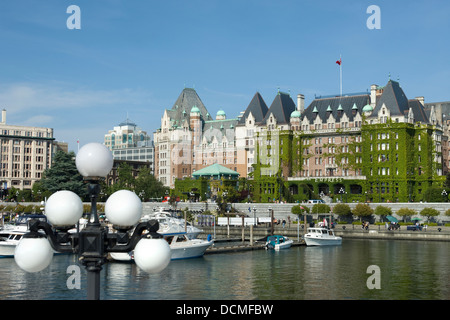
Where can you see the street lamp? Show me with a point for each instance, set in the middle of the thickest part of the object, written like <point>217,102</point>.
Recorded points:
<point>254,215</point>
<point>341,192</point>
<point>64,208</point>
<point>271,220</point>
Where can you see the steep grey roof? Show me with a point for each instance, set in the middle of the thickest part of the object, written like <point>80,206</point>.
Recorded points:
<point>394,98</point>
<point>182,107</point>
<point>396,101</point>
<point>418,110</point>
<point>281,107</point>
<point>219,129</point>
<point>338,106</point>
<point>257,107</point>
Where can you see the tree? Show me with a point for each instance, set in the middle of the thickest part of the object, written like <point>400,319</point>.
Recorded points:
<point>406,212</point>
<point>125,179</point>
<point>383,211</point>
<point>429,212</point>
<point>147,186</point>
<point>321,208</point>
<point>63,175</point>
<point>342,209</point>
<point>447,213</point>
<point>299,210</point>
<point>362,210</point>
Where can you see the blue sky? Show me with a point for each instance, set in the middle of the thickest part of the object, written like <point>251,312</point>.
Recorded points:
<point>135,57</point>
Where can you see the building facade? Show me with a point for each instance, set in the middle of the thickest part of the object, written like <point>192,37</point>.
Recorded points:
<point>25,152</point>
<point>189,139</point>
<point>128,142</point>
<point>377,146</point>
<point>372,146</point>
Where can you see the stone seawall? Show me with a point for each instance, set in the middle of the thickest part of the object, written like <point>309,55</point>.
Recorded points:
<point>350,232</point>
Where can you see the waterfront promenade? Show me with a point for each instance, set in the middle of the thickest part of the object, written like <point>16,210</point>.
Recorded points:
<point>346,231</point>
<point>283,210</point>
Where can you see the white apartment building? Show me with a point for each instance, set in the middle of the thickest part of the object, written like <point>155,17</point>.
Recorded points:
<point>25,152</point>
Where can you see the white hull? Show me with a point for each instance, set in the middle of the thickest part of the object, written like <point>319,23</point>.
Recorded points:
<point>322,237</point>
<point>122,256</point>
<point>285,245</point>
<point>192,248</point>
<point>322,242</point>
<point>7,249</point>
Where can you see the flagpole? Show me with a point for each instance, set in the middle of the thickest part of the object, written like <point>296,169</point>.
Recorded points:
<point>340,74</point>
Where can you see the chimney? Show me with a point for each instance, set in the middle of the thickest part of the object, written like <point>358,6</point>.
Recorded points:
<point>300,103</point>
<point>373,95</point>
<point>421,100</point>
<point>3,116</point>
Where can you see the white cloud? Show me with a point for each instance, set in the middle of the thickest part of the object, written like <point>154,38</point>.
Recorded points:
<point>38,120</point>
<point>25,96</point>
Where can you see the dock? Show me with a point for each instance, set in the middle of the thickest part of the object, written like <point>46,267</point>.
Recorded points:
<point>236,245</point>
<point>242,239</point>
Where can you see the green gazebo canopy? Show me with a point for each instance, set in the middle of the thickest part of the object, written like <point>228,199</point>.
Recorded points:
<point>216,171</point>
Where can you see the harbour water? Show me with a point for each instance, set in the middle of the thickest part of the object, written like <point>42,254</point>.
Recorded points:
<point>407,270</point>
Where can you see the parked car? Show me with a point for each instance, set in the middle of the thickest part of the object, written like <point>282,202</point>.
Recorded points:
<point>414,228</point>
<point>316,201</point>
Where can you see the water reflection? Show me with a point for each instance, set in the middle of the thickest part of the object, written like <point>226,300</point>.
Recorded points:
<point>409,270</point>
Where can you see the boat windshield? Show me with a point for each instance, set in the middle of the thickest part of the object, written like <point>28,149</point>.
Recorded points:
<point>24,219</point>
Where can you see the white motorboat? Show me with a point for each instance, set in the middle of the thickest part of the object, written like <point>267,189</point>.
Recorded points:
<point>169,224</point>
<point>9,241</point>
<point>321,236</point>
<point>181,246</point>
<point>277,242</point>
<point>11,234</point>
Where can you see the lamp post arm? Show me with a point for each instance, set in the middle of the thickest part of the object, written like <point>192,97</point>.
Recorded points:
<point>61,242</point>
<point>114,240</point>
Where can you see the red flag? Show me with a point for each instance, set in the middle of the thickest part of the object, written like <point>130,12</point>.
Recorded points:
<point>339,61</point>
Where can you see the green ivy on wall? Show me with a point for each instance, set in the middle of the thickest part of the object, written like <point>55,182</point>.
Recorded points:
<point>396,159</point>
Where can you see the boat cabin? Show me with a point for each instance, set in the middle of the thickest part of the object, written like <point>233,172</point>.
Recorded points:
<point>320,231</point>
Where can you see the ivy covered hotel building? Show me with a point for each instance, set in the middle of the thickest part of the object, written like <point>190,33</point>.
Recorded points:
<point>376,146</point>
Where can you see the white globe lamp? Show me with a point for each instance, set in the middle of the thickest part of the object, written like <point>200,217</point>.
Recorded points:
<point>64,208</point>
<point>152,255</point>
<point>123,208</point>
<point>94,160</point>
<point>33,254</point>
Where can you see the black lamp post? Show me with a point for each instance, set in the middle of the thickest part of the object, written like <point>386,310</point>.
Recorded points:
<point>64,208</point>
